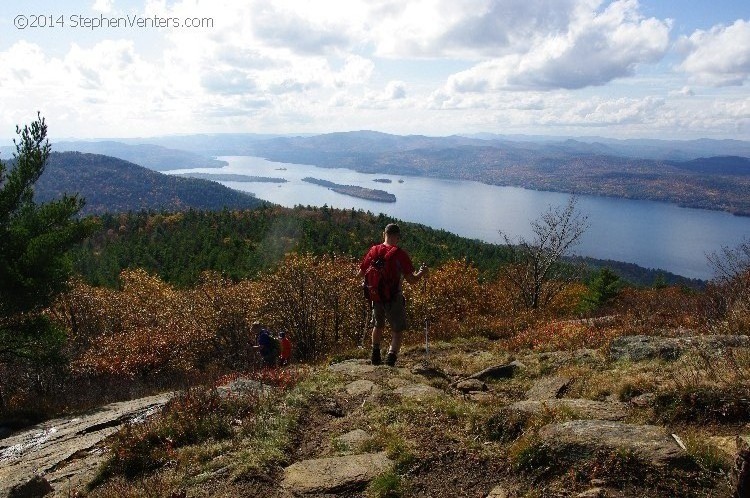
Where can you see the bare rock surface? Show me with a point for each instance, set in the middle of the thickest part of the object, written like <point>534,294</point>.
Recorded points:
<point>471,385</point>
<point>360,387</point>
<point>352,368</point>
<point>498,492</point>
<point>548,388</point>
<point>578,439</point>
<point>353,440</point>
<point>429,371</point>
<point>48,449</point>
<point>504,371</point>
<point>644,347</point>
<point>418,391</point>
<point>335,475</point>
<point>579,408</point>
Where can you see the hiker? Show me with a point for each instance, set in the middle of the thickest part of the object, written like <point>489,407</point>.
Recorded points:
<point>265,344</point>
<point>383,266</point>
<point>285,353</point>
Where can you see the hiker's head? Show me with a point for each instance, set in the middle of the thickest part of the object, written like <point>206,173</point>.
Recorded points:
<point>392,233</point>
<point>256,326</point>
<point>282,334</point>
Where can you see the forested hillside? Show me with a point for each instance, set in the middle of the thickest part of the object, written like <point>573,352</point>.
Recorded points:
<point>113,185</point>
<point>239,244</point>
<point>179,246</point>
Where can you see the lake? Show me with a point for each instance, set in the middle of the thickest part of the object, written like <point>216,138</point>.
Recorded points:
<point>647,233</point>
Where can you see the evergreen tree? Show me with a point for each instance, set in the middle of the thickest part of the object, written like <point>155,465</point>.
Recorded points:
<point>602,289</point>
<point>34,239</point>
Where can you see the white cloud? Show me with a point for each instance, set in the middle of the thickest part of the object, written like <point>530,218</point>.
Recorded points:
<point>605,112</point>
<point>596,48</point>
<point>720,56</point>
<point>685,91</point>
<point>313,66</point>
<point>395,90</point>
<point>103,6</point>
<point>467,28</point>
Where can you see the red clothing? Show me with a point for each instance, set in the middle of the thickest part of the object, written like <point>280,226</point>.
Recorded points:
<point>402,259</point>
<point>286,349</point>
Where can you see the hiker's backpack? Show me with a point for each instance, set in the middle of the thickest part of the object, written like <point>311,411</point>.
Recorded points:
<point>274,345</point>
<point>382,276</point>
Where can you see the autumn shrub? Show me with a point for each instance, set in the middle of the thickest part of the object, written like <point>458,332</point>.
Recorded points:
<point>506,426</point>
<point>135,450</point>
<point>561,335</point>
<point>146,327</point>
<point>317,300</point>
<point>707,386</point>
<point>452,290</point>
<point>729,304</point>
<point>652,311</point>
<point>233,307</point>
<point>705,404</point>
<point>191,417</point>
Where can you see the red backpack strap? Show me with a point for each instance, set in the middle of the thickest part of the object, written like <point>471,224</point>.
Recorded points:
<point>390,251</point>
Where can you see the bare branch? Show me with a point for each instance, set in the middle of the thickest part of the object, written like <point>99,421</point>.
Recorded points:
<point>535,270</point>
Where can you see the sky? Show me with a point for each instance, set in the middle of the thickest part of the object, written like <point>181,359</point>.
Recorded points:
<point>620,68</point>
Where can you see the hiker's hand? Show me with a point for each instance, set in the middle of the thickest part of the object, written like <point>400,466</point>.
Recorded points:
<point>422,270</point>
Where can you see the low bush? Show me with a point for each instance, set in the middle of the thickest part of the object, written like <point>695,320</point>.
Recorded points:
<point>704,404</point>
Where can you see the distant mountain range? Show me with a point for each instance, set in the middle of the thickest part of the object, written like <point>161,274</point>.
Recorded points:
<point>227,144</point>
<point>151,156</point>
<point>705,173</point>
<point>678,150</point>
<point>691,177</point>
<point>112,185</point>
<point>156,157</point>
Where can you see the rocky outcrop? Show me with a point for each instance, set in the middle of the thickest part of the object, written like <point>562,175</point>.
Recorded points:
<point>352,440</point>
<point>577,439</point>
<point>548,388</point>
<point>65,448</point>
<point>352,368</point>
<point>504,371</point>
<point>576,408</point>
<point>360,387</point>
<point>418,391</point>
<point>644,347</point>
<point>498,492</point>
<point>471,385</point>
<point>336,474</point>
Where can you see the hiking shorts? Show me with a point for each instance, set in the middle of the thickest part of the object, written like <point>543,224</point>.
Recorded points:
<point>395,312</point>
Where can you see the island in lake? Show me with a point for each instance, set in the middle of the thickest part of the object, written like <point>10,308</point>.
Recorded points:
<point>354,191</point>
<point>383,180</point>
<point>229,177</point>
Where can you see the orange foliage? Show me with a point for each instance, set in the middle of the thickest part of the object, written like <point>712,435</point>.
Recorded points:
<point>149,326</point>
<point>318,300</point>
<point>655,311</point>
<point>562,336</point>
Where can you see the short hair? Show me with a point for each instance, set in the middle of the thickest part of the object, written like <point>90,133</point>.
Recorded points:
<point>392,228</point>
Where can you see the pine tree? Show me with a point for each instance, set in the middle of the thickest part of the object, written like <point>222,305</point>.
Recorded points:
<point>34,239</point>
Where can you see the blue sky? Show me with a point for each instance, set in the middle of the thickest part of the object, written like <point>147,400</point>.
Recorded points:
<point>622,68</point>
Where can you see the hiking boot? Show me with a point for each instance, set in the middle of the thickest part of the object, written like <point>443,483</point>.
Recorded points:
<point>375,356</point>
<point>390,360</point>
